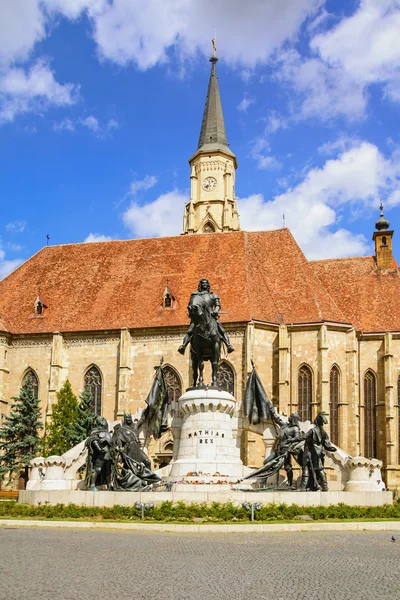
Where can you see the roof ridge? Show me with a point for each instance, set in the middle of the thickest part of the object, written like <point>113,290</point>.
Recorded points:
<point>338,259</point>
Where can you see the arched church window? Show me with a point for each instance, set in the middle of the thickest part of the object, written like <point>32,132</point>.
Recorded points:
<point>208,228</point>
<point>173,382</point>
<point>334,391</point>
<point>304,393</point>
<point>93,383</point>
<point>31,377</point>
<point>384,243</point>
<point>370,415</point>
<point>226,377</point>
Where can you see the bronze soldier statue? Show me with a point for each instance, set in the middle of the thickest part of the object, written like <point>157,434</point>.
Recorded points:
<point>211,300</point>
<point>99,460</point>
<point>289,436</point>
<point>126,438</point>
<point>289,443</point>
<point>316,444</point>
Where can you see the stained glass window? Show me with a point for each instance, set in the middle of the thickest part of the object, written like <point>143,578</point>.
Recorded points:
<point>370,415</point>
<point>225,377</point>
<point>173,382</point>
<point>93,383</point>
<point>334,390</point>
<point>31,376</point>
<point>304,393</point>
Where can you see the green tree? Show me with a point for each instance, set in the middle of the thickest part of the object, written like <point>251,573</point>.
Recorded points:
<point>19,435</point>
<point>64,414</point>
<point>86,419</point>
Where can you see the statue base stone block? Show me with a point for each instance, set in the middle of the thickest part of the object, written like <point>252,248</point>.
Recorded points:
<point>206,448</point>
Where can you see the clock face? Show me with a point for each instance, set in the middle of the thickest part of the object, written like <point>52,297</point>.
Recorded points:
<point>209,184</point>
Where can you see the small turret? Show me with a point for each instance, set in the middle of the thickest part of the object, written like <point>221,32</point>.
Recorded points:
<point>383,242</point>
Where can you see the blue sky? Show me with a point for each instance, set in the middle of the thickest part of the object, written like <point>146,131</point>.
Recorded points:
<point>101,105</point>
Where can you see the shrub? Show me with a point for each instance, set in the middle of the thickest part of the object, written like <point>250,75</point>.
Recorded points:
<point>185,513</point>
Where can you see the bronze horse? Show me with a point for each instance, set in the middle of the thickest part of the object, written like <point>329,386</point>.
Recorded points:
<point>205,343</point>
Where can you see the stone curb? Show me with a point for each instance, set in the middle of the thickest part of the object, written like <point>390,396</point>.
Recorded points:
<point>214,528</point>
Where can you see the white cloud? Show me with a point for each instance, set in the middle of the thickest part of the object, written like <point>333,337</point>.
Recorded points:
<point>146,183</point>
<point>357,177</point>
<point>91,123</point>
<point>161,217</point>
<point>35,90</point>
<point>341,144</point>
<point>259,153</point>
<point>16,226</point>
<point>99,130</point>
<point>97,237</point>
<point>245,103</point>
<point>64,125</point>
<point>362,49</point>
<point>143,33</point>
<point>323,92</point>
<point>275,121</point>
<point>72,9</point>
<point>7,266</point>
<point>366,44</point>
<point>22,24</point>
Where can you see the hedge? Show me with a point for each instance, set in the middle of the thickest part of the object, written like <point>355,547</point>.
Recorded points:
<point>180,512</point>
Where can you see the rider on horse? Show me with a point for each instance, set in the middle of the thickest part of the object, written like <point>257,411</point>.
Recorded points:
<point>212,301</point>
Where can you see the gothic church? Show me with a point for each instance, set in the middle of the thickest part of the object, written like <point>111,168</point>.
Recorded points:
<point>324,335</point>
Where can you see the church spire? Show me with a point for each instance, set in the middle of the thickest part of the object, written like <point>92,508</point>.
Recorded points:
<point>213,133</point>
<point>212,206</point>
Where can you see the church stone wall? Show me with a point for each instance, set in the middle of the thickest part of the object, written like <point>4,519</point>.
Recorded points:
<point>126,360</point>
<point>304,350</point>
<point>25,353</point>
<point>80,354</point>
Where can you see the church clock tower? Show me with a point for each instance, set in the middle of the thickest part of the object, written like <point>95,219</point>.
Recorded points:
<point>212,206</point>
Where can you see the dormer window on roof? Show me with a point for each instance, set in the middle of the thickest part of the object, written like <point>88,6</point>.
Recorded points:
<point>167,301</point>
<point>39,307</point>
<point>168,298</point>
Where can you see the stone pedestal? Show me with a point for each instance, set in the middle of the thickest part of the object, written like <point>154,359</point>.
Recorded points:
<point>55,474</point>
<point>38,469</point>
<point>364,475</point>
<point>207,447</point>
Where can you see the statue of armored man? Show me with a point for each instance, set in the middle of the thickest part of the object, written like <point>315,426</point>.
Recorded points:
<point>205,333</point>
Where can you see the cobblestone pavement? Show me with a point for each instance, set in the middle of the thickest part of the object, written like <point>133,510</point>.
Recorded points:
<point>39,564</point>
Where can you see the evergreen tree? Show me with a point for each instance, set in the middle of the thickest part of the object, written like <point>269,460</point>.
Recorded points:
<point>86,420</point>
<point>64,414</point>
<point>19,435</point>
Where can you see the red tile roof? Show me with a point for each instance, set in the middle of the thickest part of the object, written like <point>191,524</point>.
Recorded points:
<point>110,285</point>
<point>368,296</point>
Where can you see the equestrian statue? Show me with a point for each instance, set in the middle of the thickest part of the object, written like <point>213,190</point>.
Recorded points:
<point>205,333</point>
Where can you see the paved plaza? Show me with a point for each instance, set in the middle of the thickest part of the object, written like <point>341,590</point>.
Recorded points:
<point>71,564</point>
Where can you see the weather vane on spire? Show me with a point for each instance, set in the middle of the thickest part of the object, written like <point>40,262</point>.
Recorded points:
<point>214,45</point>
